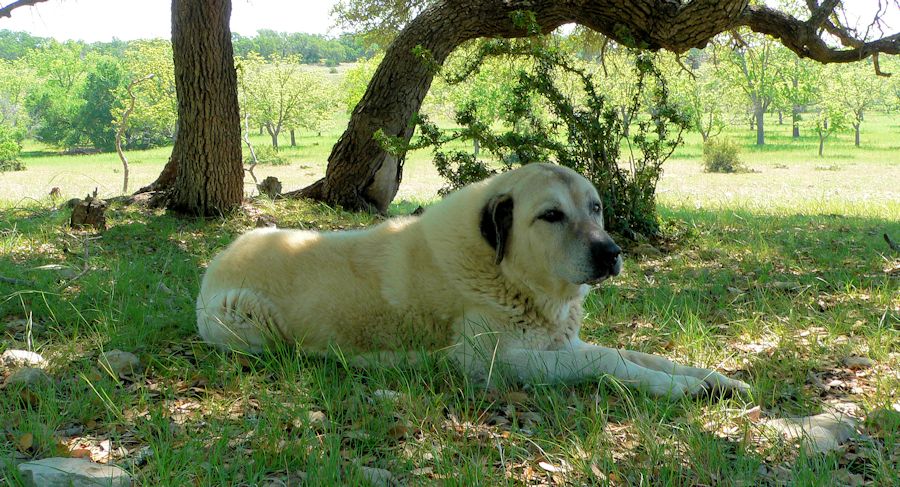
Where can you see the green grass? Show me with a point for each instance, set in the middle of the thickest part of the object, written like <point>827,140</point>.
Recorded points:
<point>213,419</point>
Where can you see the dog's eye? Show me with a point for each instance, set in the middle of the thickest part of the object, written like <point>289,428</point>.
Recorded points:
<point>596,208</point>
<point>552,216</point>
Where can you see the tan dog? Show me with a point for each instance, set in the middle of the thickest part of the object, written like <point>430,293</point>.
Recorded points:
<point>494,275</point>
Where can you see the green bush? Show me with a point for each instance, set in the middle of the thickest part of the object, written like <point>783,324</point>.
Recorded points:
<point>721,155</point>
<point>266,154</point>
<point>10,150</point>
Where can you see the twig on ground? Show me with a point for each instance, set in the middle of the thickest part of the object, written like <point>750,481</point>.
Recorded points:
<point>893,245</point>
<point>86,266</point>
<point>17,282</point>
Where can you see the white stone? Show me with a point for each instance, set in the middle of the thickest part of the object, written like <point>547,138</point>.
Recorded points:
<point>22,358</point>
<point>119,362</point>
<point>857,363</point>
<point>74,472</point>
<point>378,477</point>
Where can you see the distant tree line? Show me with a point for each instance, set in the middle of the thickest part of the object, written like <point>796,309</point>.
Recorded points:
<point>72,94</point>
<point>311,48</point>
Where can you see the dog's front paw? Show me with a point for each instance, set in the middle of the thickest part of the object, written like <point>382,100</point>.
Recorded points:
<point>676,386</point>
<point>720,384</point>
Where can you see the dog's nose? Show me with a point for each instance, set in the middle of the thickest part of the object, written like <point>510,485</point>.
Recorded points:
<point>605,256</point>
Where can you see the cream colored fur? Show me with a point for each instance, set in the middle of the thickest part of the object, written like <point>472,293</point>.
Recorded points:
<point>432,283</point>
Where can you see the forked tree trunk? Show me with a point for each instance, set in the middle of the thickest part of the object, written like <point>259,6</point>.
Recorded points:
<point>210,178</point>
<point>361,175</point>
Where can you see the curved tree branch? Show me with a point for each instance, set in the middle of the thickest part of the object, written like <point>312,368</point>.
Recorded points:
<point>7,10</point>
<point>803,38</point>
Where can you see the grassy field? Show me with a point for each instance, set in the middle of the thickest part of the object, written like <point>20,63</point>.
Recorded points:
<point>777,277</point>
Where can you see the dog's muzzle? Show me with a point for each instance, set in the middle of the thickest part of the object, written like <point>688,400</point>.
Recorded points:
<point>606,258</point>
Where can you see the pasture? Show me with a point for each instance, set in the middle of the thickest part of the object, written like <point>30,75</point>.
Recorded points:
<point>779,276</point>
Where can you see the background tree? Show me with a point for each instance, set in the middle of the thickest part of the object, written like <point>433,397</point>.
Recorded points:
<point>17,79</point>
<point>318,101</point>
<point>273,91</point>
<point>54,102</point>
<point>749,65</point>
<point>704,97</point>
<point>857,89</point>
<point>101,104</point>
<point>152,123</point>
<point>830,115</point>
<point>795,86</point>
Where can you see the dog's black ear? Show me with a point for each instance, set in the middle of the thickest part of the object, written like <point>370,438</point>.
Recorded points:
<point>496,223</point>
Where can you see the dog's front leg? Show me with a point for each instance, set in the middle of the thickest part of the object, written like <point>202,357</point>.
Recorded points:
<point>589,362</point>
<point>714,380</point>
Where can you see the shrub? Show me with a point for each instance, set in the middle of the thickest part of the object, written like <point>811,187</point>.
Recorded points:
<point>721,155</point>
<point>10,150</point>
<point>543,122</point>
<point>266,154</point>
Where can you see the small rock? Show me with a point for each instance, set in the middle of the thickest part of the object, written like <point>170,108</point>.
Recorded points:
<point>821,433</point>
<point>119,363</point>
<point>27,376</point>
<point>74,472</point>
<point>857,363</point>
<point>21,358</point>
<point>784,285</point>
<point>318,419</point>
<point>378,477</point>
<point>386,394</point>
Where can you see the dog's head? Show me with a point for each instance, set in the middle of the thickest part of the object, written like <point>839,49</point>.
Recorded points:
<point>545,224</point>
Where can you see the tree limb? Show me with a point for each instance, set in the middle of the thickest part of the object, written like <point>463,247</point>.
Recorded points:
<point>7,10</point>
<point>802,38</point>
<point>820,12</point>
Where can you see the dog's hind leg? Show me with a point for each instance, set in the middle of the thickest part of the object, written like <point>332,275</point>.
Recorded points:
<point>237,319</point>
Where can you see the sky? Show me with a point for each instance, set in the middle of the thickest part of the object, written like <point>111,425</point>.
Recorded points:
<point>101,20</point>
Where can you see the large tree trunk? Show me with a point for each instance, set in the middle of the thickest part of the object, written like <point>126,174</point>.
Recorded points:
<point>760,126</point>
<point>210,178</point>
<point>293,139</point>
<point>856,129</point>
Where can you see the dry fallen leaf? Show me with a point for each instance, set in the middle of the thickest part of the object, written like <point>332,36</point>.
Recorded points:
<point>25,442</point>
<point>80,453</point>
<point>753,414</point>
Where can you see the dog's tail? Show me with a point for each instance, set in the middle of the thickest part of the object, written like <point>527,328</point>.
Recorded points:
<point>237,319</point>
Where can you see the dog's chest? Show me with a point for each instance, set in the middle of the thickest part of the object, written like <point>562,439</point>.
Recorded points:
<point>544,329</point>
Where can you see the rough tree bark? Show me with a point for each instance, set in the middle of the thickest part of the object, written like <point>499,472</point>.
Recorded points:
<point>760,115</point>
<point>210,176</point>
<point>360,175</point>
